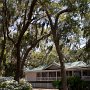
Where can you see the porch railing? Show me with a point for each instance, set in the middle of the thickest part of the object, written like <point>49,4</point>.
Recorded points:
<point>47,78</point>
<point>87,78</point>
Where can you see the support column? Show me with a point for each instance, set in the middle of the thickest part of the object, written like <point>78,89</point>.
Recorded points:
<point>48,75</point>
<point>81,74</point>
<point>72,73</point>
<point>56,75</point>
<point>41,76</point>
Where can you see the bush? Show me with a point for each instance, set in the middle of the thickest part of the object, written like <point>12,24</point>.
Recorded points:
<point>57,84</point>
<point>74,83</point>
<point>14,85</point>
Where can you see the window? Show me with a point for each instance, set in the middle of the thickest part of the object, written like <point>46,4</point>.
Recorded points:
<point>86,73</point>
<point>44,74</point>
<point>69,73</point>
<point>38,74</point>
<point>58,74</point>
<point>77,73</point>
<point>52,74</point>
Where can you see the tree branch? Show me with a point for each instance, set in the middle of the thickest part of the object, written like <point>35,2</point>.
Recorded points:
<point>25,12</point>
<point>61,12</point>
<point>5,20</point>
<point>32,46</point>
<point>28,22</point>
<point>49,17</point>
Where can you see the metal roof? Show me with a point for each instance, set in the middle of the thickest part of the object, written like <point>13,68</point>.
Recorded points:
<point>35,69</point>
<point>69,65</point>
<point>77,64</point>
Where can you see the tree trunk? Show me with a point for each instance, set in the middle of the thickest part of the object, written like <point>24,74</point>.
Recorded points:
<point>61,59</point>
<point>18,64</point>
<point>2,57</point>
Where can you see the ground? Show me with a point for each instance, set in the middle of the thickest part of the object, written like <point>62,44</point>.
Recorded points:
<point>43,89</point>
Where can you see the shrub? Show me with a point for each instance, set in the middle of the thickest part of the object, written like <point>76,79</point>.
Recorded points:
<point>14,85</point>
<point>74,83</point>
<point>57,84</point>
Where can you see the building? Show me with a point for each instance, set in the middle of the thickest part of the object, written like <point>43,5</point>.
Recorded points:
<point>43,76</point>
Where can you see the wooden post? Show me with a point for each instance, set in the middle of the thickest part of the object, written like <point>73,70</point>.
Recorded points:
<point>72,73</point>
<point>81,74</point>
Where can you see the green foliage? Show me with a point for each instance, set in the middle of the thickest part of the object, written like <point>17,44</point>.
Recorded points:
<point>9,69</point>
<point>57,84</point>
<point>71,27</point>
<point>42,57</point>
<point>74,83</point>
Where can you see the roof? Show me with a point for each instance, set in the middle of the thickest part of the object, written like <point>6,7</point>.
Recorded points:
<point>35,69</point>
<point>55,65</point>
<point>77,64</point>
